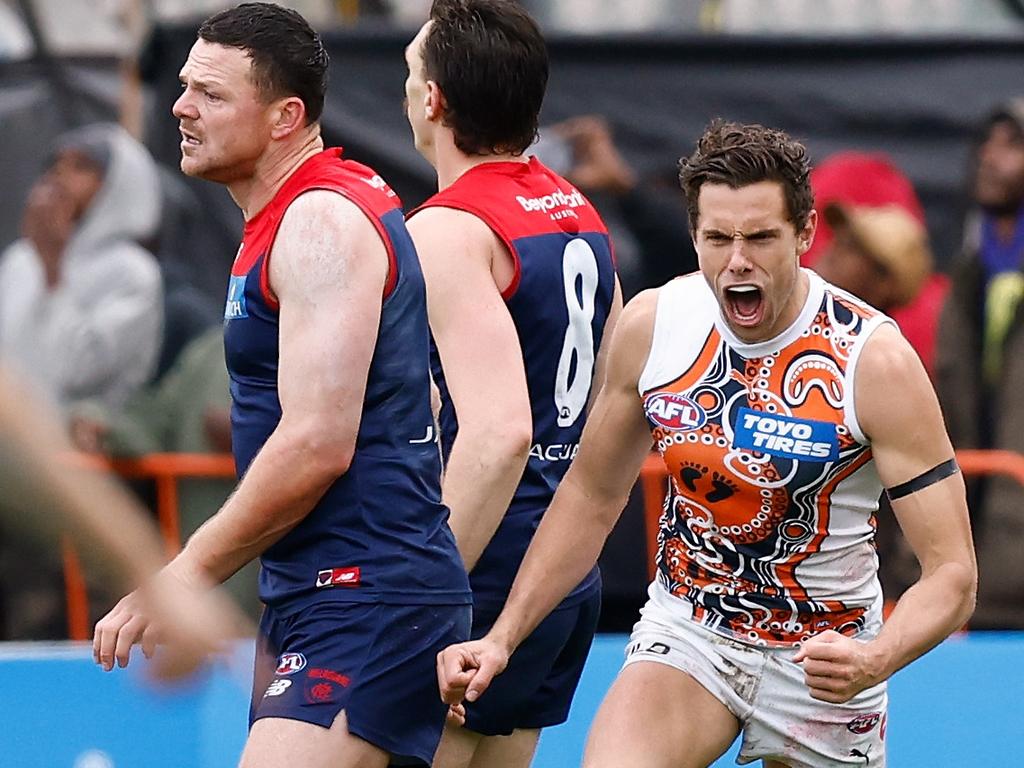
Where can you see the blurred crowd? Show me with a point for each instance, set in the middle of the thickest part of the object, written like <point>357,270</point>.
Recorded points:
<point>102,314</point>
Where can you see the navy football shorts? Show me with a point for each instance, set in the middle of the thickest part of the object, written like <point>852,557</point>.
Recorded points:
<point>537,687</point>
<point>377,662</point>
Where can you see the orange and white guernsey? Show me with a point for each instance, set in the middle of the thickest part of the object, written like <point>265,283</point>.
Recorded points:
<point>767,535</point>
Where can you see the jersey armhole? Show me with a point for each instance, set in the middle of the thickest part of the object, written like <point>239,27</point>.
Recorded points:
<point>389,283</point>
<point>517,268</point>
<point>849,396</point>
<point>672,354</point>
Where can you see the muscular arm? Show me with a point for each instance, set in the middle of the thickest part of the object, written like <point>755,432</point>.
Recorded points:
<point>483,368</point>
<point>898,411</point>
<point>908,438</point>
<point>586,505</point>
<point>328,267</point>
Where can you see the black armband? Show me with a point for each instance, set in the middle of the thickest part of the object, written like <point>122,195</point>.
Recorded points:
<point>929,477</point>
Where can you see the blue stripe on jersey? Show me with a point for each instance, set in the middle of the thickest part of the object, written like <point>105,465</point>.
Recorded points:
<point>384,515</point>
<point>560,308</point>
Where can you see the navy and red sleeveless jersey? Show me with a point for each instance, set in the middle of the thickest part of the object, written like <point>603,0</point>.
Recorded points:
<point>559,300</point>
<point>380,532</point>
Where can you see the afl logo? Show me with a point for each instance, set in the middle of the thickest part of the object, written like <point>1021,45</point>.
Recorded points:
<point>864,723</point>
<point>675,412</point>
<point>290,663</point>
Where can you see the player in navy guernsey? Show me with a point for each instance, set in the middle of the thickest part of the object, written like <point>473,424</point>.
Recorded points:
<point>522,292</point>
<point>328,350</point>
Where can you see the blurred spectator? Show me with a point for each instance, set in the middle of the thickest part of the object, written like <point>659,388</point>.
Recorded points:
<point>980,367</point>
<point>186,411</point>
<point>878,254</point>
<point>871,180</point>
<point>80,301</point>
<point>656,219</point>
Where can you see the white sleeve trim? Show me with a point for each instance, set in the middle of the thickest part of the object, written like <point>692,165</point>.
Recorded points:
<point>849,396</point>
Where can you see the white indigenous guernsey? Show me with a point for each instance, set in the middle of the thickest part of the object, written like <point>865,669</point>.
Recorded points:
<point>768,527</point>
<point>767,533</point>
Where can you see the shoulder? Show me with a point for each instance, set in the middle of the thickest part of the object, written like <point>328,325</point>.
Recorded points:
<point>440,230</point>
<point>887,354</point>
<point>892,387</point>
<point>633,334</point>
<point>317,214</point>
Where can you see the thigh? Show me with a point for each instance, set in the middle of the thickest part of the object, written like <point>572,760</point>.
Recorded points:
<point>657,716</point>
<point>275,742</point>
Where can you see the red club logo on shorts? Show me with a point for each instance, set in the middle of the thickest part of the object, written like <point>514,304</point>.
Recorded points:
<point>290,663</point>
<point>864,723</point>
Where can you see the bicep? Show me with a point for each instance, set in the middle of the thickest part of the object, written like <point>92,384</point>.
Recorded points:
<point>328,268</point>
<point>900,414</point>
<point>617,437</point>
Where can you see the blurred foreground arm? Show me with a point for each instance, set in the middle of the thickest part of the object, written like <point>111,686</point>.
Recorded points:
<point>42,495</point>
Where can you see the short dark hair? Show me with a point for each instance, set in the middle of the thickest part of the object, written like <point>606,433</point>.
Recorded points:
<point>288,57</point>
<point>489,59</point>
<point>738,155</point>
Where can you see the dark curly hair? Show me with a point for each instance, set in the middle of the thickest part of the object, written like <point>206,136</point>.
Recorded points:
<point>288,57</point>
<point>738,155</point>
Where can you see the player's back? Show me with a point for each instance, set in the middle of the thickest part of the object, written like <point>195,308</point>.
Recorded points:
<point>559,299</point>
<point>379,533</point>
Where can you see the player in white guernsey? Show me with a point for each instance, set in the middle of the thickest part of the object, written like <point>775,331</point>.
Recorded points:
<point>782,408</point>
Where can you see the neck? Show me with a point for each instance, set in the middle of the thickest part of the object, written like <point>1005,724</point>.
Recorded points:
<point>272,170</point>
<point>450,162</point>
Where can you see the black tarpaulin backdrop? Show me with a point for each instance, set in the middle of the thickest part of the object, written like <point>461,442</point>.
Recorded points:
<point>918,100</point>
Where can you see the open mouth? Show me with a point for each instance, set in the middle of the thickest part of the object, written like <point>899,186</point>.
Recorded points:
<point>744,304</point>
<point>187,138</point>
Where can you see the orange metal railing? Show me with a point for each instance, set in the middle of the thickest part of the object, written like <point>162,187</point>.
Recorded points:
<point>164,470</point>
<point>654,478</point>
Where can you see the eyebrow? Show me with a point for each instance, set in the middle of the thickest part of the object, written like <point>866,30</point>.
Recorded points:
<point>756,234</point>
<point>202,85</point>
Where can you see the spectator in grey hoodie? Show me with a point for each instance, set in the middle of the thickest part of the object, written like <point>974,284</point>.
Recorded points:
<point>81,307</point>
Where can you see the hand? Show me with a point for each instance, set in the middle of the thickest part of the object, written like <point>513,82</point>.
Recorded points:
<point>190,621</point>
<point>88,434</point>
<point>465,670</point>
<point>836,667</point>
<point>48,223</point>
<point>456,716</point>
<point>598,164</point>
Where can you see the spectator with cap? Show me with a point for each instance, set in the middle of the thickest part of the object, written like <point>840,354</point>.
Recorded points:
<point>878,254</point>
<point>980,368</point>
<point>80,300</point>
<point>870,180</point>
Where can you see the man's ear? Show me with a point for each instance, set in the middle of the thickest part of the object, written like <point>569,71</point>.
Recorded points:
<point>289,115</point>
<point>433,102</point>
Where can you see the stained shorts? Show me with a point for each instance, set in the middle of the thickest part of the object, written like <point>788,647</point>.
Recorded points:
<point>536,689</point>
<point>766,692</point>
<point>375,661</point>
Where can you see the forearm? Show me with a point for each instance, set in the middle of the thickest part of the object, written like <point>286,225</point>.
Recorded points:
<point>281,486</point>
<point>46,494</point>
<point>564,549</point>
<point>479,482</point>
<point>937,605</point>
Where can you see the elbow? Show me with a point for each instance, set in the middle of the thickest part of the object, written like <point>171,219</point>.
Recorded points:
<point>326,449</point>
<point>963,582</point>
<point>512,444</point>
<point>504,446</point>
